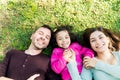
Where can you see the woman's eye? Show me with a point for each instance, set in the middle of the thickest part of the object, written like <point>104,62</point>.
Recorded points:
<point>92,40</point>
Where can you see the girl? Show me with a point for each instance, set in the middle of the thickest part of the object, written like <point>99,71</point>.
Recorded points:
<point>106,64</point>
<point>66,51</point>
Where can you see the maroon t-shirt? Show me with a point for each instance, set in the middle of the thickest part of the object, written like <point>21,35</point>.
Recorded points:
<point>20,66</point>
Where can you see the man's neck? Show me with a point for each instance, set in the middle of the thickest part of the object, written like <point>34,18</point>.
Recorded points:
<point>32,51</point>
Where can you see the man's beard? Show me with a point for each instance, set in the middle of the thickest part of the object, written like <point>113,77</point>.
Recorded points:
<point>37,48</point>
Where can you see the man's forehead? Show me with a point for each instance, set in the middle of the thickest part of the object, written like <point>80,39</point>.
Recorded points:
<point>44,30</point>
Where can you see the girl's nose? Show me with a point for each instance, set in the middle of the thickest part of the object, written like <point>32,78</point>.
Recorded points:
<point>63,40</point>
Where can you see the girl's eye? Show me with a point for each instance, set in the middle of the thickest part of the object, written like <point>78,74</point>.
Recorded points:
<point>59,39</point>
<point>67,37</point>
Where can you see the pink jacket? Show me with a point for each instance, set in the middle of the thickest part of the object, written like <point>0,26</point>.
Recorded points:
<point>58,63</point>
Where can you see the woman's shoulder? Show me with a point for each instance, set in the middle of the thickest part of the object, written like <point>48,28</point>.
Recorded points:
<point>116,53</point>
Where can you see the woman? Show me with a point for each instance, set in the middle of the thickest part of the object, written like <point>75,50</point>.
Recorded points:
<point>106,64</point>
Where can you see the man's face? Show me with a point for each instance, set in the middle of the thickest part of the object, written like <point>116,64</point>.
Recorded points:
<point>41,38</point>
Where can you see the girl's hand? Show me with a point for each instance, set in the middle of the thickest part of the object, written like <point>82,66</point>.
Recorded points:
<point>72,56</point>
<point>89,62</point>
<point>33,77</point>
<point>69,55</point>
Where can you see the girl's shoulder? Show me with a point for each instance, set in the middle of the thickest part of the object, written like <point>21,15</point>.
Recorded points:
<point>75,44</point>
<point>58,49</point>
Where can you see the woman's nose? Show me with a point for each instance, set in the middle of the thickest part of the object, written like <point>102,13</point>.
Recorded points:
<point>98,41</point>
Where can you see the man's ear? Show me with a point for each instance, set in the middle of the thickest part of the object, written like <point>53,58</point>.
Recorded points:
<point>31,36</point>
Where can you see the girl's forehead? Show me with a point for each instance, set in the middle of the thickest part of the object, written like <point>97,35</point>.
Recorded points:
<point>63,31</point>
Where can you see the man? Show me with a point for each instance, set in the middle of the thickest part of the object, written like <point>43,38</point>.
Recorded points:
<point>30,64</point>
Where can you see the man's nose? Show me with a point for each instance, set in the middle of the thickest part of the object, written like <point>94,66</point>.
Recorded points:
<point>42,38</point>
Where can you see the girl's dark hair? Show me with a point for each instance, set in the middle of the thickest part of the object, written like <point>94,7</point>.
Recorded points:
<point>67,28</point>
<point>115,39</point>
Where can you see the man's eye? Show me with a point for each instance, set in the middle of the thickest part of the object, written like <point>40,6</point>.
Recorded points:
<point>100,37</point>
<point>47,37</point>
<point>41,33</point>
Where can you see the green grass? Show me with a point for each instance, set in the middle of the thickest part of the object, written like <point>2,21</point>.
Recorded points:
<point>20,18</point>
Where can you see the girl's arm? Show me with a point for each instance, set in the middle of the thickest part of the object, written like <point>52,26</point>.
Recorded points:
<point>86,52</point>
<point>58,63</point>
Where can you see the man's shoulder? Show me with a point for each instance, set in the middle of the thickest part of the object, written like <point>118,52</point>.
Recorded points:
<point>44,58</point>
<point>44,55</point>
<point>14,51</point>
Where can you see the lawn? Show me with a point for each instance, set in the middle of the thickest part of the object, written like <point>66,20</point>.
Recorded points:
<point>19,18</point>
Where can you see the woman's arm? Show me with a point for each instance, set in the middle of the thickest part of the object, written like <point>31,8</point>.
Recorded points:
<point>73,70</point>
<point>85,74</point>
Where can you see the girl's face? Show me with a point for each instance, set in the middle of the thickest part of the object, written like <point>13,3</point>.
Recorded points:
<point>63,39</point>
<point>99,41</point>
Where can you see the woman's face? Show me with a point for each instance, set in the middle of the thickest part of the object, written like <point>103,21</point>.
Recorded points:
<point>63,39</point>
<point>99,41</point>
